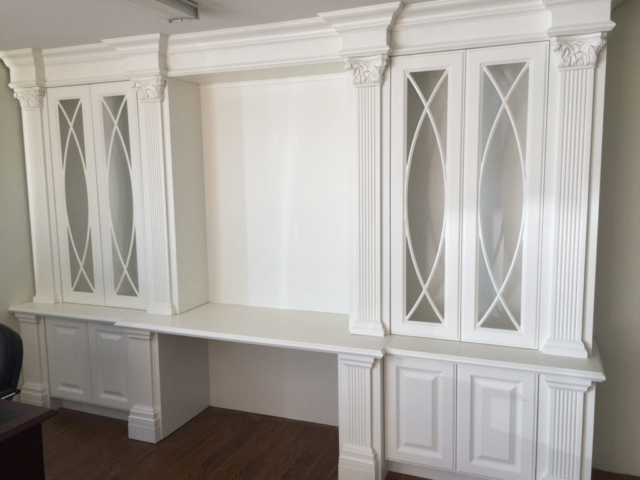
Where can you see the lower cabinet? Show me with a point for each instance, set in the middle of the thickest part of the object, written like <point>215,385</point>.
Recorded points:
<point>483,417</point>
<point>420,407</point>
<point>496,422</point>
<point>88,362</point>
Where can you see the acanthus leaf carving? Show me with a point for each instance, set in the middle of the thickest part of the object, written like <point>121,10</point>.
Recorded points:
<point>578,52</point>
<point>30,98</point>
<point>150,89</point>
<point>367,71</point>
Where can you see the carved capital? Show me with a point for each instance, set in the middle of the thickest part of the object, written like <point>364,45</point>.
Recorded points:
<point>578,52</point>
<point>367,71</point>
<point>150,89</point>
<point>30,98</point>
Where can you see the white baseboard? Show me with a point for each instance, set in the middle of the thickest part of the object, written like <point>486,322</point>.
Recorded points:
<point>426,472</point>
<point>88,408</point>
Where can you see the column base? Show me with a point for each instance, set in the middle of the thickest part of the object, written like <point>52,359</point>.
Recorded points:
<point>35,394</point>
<point>371,329</point>
<point>144,425</point>
<point>565,348</point>
<point>357,463</point>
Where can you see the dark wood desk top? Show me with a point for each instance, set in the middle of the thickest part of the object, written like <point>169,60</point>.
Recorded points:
<point>17,417</point>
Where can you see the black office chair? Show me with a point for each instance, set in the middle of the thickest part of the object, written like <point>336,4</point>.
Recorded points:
<point>10,362</point>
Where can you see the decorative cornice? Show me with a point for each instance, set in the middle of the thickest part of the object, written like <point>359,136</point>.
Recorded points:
<point>30,98</point>
<point>367,71</point>
<point>578,52</point>
<point>150,89</point>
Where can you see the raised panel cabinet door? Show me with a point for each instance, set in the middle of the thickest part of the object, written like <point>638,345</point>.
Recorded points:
<point>74,175</point>
<point>118,169</point>
<point>419,399</point>
<point>496,422</point>
<point>426,177</point>
<point>505,102</point>
<point>68,353</point>
<point>109,366</point>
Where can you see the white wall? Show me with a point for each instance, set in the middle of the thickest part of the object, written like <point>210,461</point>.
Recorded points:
<point>16,266</point>
<point>617,303</point>
<point>276,180</point>
<point>276,156</point>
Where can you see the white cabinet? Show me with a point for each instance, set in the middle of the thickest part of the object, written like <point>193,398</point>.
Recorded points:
<point>502,202</point>
<point>88,362</point>
<point>68,352</point>
<point>420,406</point>
<point>496,422</point>
<point>96,170</point>
<point>426,145</point>
<point>109,366</point>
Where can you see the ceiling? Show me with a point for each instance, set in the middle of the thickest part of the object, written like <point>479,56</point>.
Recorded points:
<point>63,23</point>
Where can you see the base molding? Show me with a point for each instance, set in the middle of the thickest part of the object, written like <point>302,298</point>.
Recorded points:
<point>371,329</point>
<point>144,424</point>
<point>90,408</point>
<point>565,348</point>
<point>427,472</point>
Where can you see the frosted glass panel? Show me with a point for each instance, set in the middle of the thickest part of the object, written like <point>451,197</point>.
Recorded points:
<point>118,167</point>
<point>501,195</point>
<point>425,181</point>
<point>76,197</point>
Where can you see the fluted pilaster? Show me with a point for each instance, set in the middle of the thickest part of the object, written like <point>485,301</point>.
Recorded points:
<point>577,58</point>
<point>35,370</point>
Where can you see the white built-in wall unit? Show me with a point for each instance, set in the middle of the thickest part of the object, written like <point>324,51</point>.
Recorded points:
<point>412,189</point>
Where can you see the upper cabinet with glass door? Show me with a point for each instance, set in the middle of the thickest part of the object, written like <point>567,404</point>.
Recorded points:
<point>98,194</point>
<point>426,140</point>
<point>466,199</point>
<point>503,168</point>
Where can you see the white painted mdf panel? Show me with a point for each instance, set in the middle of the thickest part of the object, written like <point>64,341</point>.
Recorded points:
<point>276,157</point>
<point>496,422</point>
<point>69,364</point>
<point>420,399</point>
<point>109,366</point>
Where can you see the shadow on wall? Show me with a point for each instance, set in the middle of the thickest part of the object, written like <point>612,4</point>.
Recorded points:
<point>617,302</point>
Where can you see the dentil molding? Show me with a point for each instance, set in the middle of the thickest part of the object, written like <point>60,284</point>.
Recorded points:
<point>150,89</point>
<point>30,98</point>
<point>367,71</point>
<point>578,52</point>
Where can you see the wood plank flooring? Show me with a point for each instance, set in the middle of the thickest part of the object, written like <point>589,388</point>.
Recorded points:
<point>217,444</point>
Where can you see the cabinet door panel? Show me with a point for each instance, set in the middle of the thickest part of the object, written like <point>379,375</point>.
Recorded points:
<point>419,411</point>
<point>426,180</point>
<point>115,123</point>
<point>109,366</point>
<point>68,353</point>
<point>76,194</point>
<point>496,422</point>
<point>504,140</point>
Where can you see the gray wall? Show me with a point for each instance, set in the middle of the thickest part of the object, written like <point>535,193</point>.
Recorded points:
<point>617,303</point>
<point>16,268</point>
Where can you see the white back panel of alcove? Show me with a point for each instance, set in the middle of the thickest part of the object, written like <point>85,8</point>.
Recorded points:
<point>276,157</point>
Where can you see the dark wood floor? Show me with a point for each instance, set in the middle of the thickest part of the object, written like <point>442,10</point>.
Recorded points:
<point>217,444</point>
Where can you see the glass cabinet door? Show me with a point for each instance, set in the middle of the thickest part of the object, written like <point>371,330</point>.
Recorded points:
<point>426,139</point>
<point>504,139</point>
<point>119,190</point>
<point>76,195</point>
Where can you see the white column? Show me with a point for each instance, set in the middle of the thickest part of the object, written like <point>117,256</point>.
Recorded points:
<point>144,416</point>
<point>40,212</point>
<point>154,185</point>
<point>367,76</point>
<point>565,432</point>
<point>577,59</point>
<point>35,372</point>
<point>360,422</point>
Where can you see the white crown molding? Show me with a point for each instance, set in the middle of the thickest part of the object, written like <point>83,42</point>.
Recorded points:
<point>365,30</point>
<point>387,29</point>
<point>144,55</point>
<point>273,33</point>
